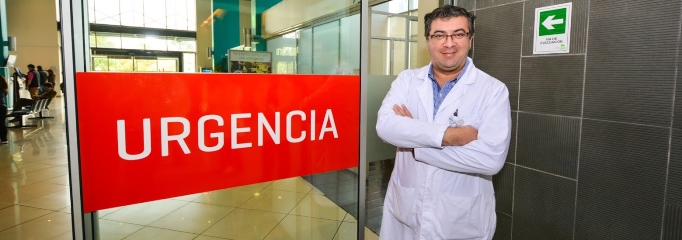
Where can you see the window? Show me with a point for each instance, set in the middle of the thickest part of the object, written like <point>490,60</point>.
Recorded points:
<point>118,63</point>
<point>142,42</point>
<point>167,65</point>
<point>328,48</point>
<point>121,64</point>
<point>394,37</point>
<point>164,14</point>
<point>155,14</point>
<point>107,12</point>
<point>100,63</point>
<point>132,41</point>
<point>93,40</point>
<point>131,13</point>
<point>189,62</point>
<point>146,65</point>
<point>155,43</point>
<point>108,40</point>
<point>181,44</point>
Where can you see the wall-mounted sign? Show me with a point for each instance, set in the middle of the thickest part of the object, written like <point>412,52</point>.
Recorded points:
<point>250,62</point>
<point>171,135</point>
<point>552,29</point>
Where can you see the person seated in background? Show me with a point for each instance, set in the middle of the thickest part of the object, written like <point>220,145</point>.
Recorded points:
<point>47,93</point>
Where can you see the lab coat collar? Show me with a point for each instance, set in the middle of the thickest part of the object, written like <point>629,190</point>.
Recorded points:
<point>425,90</point>
<point>467,78</point>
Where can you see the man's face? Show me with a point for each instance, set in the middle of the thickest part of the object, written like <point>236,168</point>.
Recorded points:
<point>449,55</point>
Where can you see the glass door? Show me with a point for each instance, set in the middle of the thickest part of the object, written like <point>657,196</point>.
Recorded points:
<point>229,155</point>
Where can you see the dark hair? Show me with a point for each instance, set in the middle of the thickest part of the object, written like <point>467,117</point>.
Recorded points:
<point>446,12</point>
<point>40,67</point>
<point>47,84</point>
<point>31,65</point>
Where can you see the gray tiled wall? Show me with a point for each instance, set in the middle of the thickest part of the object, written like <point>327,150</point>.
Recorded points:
<point>674,193</point>
<point>673,212</point>
<point>634,85</point>
<point>597,144</point>
<point>492,3</point>
<point>548,143</point>
<point>552,85</point>
<point>673,221</point>
<point>677,120</point>
<point>511,155</point>
<point>504,184</point>
<point>498,32</point>
<point>546,217</point>
<point>621,179</point>
<point>504,225</point>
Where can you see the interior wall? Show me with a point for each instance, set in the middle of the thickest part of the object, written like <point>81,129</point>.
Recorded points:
<point>423,57</point>
<point>596,148</point>
<point>204,34</point>
<point>34,24</point>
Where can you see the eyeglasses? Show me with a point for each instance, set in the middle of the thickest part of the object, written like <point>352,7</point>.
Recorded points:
<point>443,37</point>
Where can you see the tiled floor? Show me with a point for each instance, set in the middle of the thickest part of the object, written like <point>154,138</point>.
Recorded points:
<point>35,202</point>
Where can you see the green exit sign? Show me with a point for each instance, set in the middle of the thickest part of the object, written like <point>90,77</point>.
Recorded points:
<point>552,29</point>
<point>553,22</point>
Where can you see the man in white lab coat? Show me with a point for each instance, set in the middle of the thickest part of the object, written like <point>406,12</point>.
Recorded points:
<point>451,123</point>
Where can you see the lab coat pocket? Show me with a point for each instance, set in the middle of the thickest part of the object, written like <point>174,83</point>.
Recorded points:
<point>462,217</point>
<point>403,204</point>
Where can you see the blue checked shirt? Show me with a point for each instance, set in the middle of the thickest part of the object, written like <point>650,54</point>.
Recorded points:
<point>440,93</point>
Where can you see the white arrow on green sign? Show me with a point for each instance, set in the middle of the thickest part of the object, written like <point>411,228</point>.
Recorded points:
<point>553,22</point>
<point>552,29</point>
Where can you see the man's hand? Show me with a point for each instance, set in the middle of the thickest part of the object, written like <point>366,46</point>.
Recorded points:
<point>454,136</point>
<point>459,136</point>
<point>402,111</point>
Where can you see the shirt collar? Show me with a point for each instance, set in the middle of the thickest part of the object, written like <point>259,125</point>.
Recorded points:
<point>459,76</point>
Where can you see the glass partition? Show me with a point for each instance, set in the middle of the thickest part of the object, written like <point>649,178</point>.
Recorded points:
<point>284,55</point>
<point>326,48</point>
<point>212,153</point>
<point>393,24</point>
<point>305,51</point>
<point>317,202</point>
<point>349,56</point>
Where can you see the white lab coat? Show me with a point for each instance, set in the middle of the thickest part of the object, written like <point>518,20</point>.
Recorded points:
<point>444,192</point>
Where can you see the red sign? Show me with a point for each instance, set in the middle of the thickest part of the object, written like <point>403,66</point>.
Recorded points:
<point>150,136</point>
